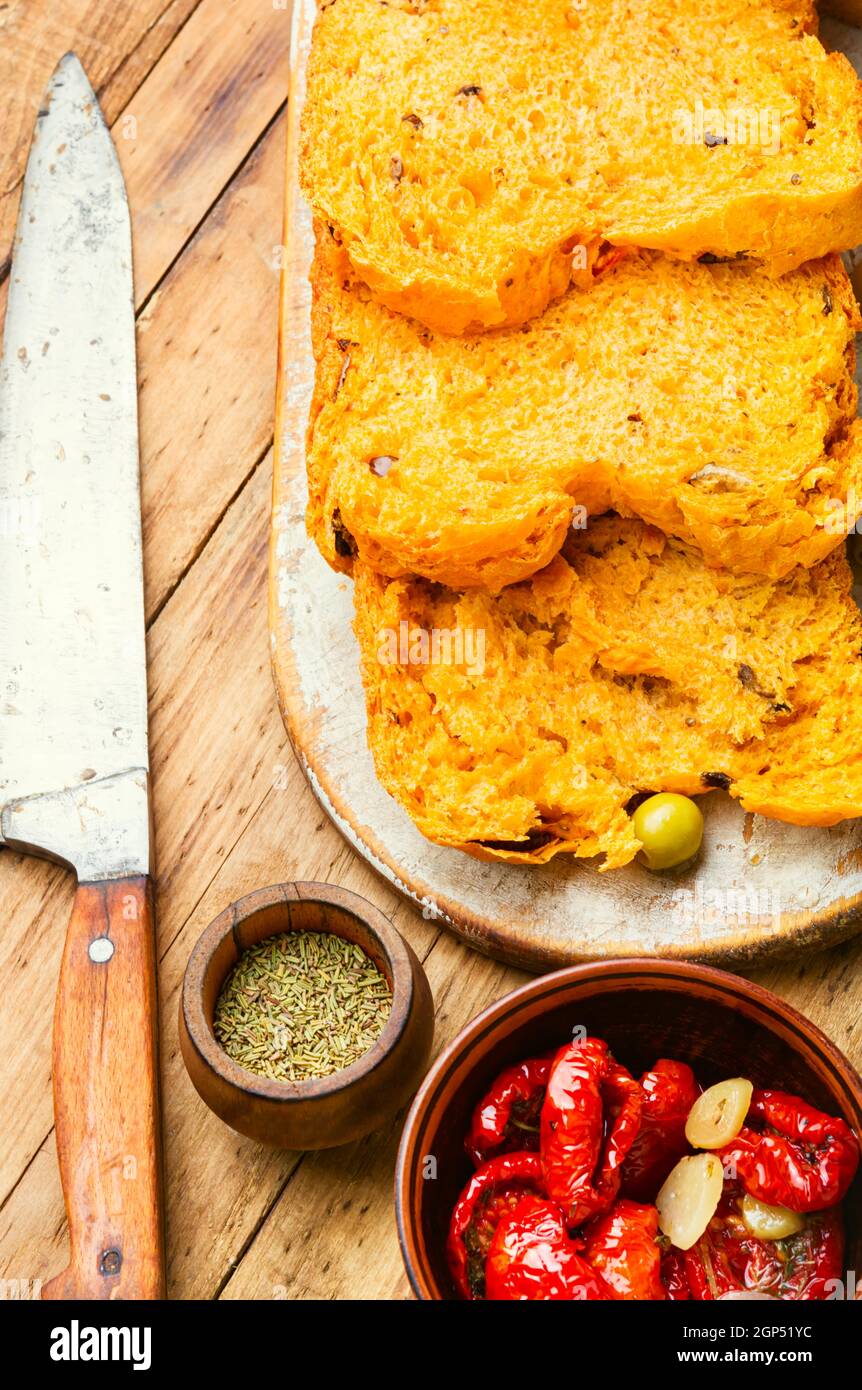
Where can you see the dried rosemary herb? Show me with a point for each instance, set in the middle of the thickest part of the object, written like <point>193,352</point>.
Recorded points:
<point>301,1005</point>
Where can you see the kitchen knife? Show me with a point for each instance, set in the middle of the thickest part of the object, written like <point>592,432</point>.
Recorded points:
<point>74,781</point>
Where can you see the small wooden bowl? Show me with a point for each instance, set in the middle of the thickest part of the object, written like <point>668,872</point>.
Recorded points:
<point>720,1024</point>
<point>336,1109</point>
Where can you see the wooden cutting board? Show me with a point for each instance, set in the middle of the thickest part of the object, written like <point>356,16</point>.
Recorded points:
<point>760,888</point>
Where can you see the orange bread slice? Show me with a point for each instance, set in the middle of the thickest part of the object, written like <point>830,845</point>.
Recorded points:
<point>713,401</point>
<point>470,154</point>
<point>519,726</point>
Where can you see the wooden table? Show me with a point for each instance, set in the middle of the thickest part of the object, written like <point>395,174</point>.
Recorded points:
<point>195,93</point>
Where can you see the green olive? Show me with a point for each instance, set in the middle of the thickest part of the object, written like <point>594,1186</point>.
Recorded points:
<point>670,828</point>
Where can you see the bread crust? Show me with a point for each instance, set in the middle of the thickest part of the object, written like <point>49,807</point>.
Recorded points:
<point>469,152</point>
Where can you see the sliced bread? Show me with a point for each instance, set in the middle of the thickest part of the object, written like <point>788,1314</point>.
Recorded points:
<point>716,402</point>
<point>521,726</point>
<point>470,154</point>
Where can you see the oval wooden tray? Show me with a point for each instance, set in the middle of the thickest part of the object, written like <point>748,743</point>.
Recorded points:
<point>761,888</point>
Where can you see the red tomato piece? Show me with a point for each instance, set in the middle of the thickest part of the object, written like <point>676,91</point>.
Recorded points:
<point>669,1092</point>
<point>623,1246</point>
<point>493,1191</point>
<point>590,1117</point>
<point>532,1257</point>
<point>788,1154</point>
<point>507,1117</point>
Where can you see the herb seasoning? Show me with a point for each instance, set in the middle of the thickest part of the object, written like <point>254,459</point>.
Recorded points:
<point>301,1005</point>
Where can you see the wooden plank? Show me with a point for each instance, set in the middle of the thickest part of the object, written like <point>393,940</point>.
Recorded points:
<point>33,1237</point>
<point>206,370</point>
<point>36,900</point>
<point>193,121</point>
<point>119,89</point>
<point>33,38</point>
<point>828,988</point>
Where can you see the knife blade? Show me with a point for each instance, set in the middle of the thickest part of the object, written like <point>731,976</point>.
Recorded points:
<point>74,778</point>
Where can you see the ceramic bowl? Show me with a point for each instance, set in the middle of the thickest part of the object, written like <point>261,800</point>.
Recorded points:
<point>336,1109</point>
<point>722,1025</point>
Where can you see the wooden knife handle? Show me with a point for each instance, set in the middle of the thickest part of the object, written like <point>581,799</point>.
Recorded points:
<point>106,1096</point>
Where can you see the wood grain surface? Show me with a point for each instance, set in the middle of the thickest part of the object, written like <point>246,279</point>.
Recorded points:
<point>233,811</point>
